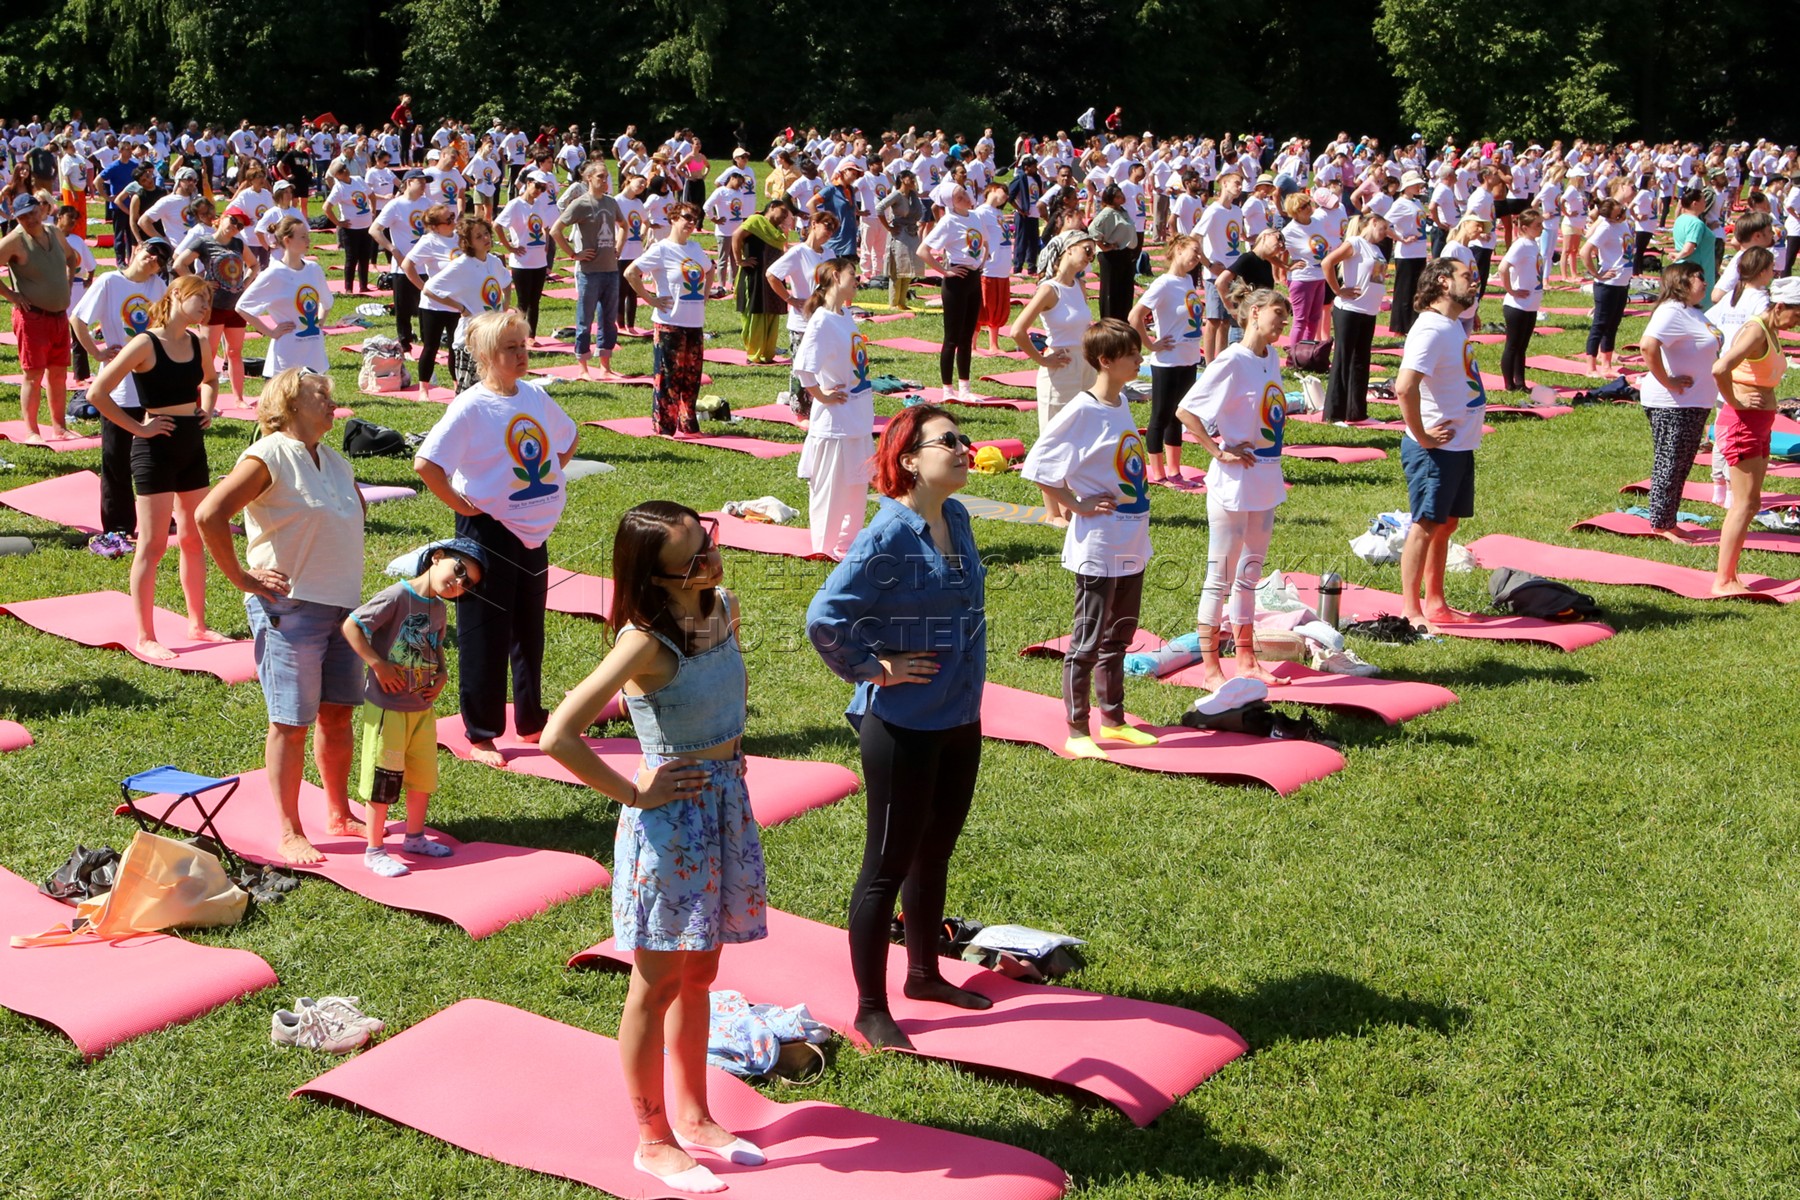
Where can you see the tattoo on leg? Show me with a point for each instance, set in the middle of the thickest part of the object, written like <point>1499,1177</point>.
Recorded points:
<point>646,1109</point>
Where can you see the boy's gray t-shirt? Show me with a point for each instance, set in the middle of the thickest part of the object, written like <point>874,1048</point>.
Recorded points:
<point>407,629</point>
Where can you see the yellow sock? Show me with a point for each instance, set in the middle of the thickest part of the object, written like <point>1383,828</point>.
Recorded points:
<point>1128,734</point>
<point>1083,747</point>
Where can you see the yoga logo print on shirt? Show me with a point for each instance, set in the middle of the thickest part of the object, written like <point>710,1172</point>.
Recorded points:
<point>529,448</point>
<point>1232,233</point>
<point>134,314</point>
<point>693,280</point>
<point>416,222</point>
<point>449,190</point>
<point>359,202</point>
<point>634,228</point>
<point>490,293</point>
<point>1271,422</point>
<point>1195,307</point>
<point>1718,334</point>
<point>534,230</point>
<point>859,360</point>
<point>972,243</point>
<point>1318,247</point>
<point>261,211</point>
<point>737,209</point>
<point>1128,461</point>
<point>306,309</point>
<point>1477,390</point>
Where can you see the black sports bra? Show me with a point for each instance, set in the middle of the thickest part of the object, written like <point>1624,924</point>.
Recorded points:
<point>171,384</point>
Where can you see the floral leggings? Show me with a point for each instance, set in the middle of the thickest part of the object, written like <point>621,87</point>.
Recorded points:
<point>679,355</point>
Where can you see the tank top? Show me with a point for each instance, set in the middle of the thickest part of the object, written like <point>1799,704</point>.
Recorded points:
<point>42,278</point>
<point>1766,369</point>
<point>168,383</point>
<point>701,707</point>
<point>1068,319</point>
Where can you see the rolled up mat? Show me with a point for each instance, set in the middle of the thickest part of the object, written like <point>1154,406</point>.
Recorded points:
<point>1011,715</point>
<point>780,788</point>
<point>483,887</point>
<point>579,595</point>
<point>643,427</point>
<point>583,468</point>
<point>1336,454</point>
<point>1624,570</point>
<point>1390,426</point>
<point>1784,445</point>
<point>11,547</point>
<point>108,621</point>
<point>103,993</point>
<point>19,432</point>
<point>380,493</point>
<point>789,541</point>
<point>1364,604</point>
<point>1391,700</point>
<point>13,736</point>
<point>1017,379</point>
<point>1005,510</point>
<point>522,1089</point>
<point>1696,492</point>
<point>1698,535</point>
<point>1138,1056</point>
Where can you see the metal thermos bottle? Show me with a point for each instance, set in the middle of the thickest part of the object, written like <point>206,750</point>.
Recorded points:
<point>1331,592</point>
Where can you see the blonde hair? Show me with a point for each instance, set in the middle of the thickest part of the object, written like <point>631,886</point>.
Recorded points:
<point>1180,242</point>
<point>275,407</point>
<point>180,288</point>
<point>1291,206</point>
<point>1468,229</point>
<point>485,331</point>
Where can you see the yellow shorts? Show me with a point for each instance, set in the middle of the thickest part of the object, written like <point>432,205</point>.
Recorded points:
<point>398,741</point>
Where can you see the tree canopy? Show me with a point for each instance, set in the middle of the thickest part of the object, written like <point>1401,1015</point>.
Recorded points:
<point>1533,69</point>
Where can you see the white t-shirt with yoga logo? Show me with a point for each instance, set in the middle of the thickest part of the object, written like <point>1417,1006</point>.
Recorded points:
<point>1094,450</point>
<point>1240,400</point>
<point>1176,309</point>
<point>1450,390</point>
<point>504,455</point>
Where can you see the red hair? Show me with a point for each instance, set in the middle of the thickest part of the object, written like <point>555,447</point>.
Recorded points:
<point>902,437</point>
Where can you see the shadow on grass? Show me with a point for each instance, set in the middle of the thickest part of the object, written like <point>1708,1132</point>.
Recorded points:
<point>1312,1006</point>
<point>1627,616</point>
<point>73,696</point>
<point>1494,672</point>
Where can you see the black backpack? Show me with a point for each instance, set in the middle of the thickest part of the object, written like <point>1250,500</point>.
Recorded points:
<point>1528,595</point>
<point>365,439</point>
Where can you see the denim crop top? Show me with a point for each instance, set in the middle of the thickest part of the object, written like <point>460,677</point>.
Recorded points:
<point>701,707</point>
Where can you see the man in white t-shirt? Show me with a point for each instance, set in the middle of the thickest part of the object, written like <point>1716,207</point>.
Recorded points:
<point>1442,400</point>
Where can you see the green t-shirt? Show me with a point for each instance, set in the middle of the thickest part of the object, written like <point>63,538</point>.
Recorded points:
<point>1689,228</point>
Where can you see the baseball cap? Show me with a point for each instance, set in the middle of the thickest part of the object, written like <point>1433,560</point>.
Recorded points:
<point>282,185</point>
<point>543,177</point>
<point>23,203</point>
<point>740,152</point>
<point>411,175</point>
<point>432,155</point>
<point>186,173</point>
<point>237,214</point>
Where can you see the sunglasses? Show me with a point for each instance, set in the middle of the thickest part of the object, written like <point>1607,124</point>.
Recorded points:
<point>709,545</point>
<point>460,571</point>
<point>950,440</point>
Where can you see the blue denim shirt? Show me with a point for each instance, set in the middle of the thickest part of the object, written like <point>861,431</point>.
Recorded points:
<point>843,242</point>
<point>896,591</point>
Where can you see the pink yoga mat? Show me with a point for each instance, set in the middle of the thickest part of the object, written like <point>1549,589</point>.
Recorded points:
<point>563,293</point>
<point>1569,366</point>
<point>781,414</point>
<point>642,427</point>
<point>732,356</point>
<point>248,413</point>
<point>435,394</point>
<point>1598,566</point>
<point>780,788</point>
<point>1701,493</point>
<point>1392,426</point>
<point>14,736</point>
<point>572,371</point>
<point>1016,379</point>
<point>522,1089</point>
<point>17,431</point>
<point>1392,700</point>
<point>1012,715</point>
<point>579,595</point>
<point>937,395</point>
<point>72,500</point>
<point>1336,454</point>
<point>1135,1055</point>
<point>790,541</point>
<point>106,620</point>
<point>1699,535</point>
<point>483,887</point>
<point>921,346</point>
<point>1364,603</point>
<point>103,993</point>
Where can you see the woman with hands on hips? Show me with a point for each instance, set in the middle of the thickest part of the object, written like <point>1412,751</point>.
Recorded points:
<point>301,575</point>
<point>687,858</point>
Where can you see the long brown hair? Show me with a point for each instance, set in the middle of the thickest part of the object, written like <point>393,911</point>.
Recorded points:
<point>637,561</point>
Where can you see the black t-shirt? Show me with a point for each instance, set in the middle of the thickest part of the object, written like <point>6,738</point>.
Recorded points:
<point>1257,272</point>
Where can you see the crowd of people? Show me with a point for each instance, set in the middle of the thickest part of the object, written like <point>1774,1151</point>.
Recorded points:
<point>211,235</point>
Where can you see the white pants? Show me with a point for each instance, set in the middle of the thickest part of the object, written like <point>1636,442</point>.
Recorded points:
<point>874,248</point>
<point>837,468</point>
<point>1237,544</point>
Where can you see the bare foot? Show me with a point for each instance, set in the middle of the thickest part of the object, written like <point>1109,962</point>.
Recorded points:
<point>1059,522</point>
<point>1255,670</point>
<point>1678,535</point>
<point>151,648</point>
<point>1447,616</point>
<point>345,826</point>
<point>1730,587</point>
<point>59,434</point>
<point>1211,681</point>
<point>201,633</point>
<point>295,849</point>
<point>34,438</point>
<point>487,754</point>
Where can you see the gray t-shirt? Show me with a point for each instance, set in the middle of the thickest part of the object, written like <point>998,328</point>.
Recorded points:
<point>407,629</point>
<point>593,224</point>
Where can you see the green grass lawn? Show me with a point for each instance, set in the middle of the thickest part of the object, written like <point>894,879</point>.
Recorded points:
<point>1541,943</point>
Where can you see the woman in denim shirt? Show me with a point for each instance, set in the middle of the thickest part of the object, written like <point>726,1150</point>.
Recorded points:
<point>902,617</point>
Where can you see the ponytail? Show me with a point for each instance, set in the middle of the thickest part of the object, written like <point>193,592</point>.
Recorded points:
<point>824,275</point>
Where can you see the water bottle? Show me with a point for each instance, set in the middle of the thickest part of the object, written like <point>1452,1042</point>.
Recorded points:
<point>1331,592</point>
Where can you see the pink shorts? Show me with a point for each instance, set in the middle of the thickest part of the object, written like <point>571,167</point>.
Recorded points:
<point>1740,434</point>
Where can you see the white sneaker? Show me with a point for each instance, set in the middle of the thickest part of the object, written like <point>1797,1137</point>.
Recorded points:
<point>311,1029</point>
<point>343,1010</point>
<point>1238,691</point>
<point>1345,662</point>
<point>963,393</point>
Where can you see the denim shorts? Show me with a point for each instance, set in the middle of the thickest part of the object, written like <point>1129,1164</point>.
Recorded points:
<point>302,658</point>
<point>1440,484</point>
<point>1215,303</point>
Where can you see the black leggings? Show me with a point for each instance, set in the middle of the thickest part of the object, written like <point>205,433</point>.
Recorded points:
<point>962,315</point>
<point>406,307</point>
<point>1640,244</point>
<point>920,783</point>
<point>1520,325</point>
<point>1347,384</point>
<point>1167,387</point>
<point>359,252</point>
<point>1406,282</point>
<point>1117,274</point>
<point>1609,310</point>
<point>1484,263</point>
<point>435,330</point>
<point>628,298</point>
<point>528,289</point>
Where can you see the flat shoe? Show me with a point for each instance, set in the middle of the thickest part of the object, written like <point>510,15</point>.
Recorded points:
<point>1236,692</point>
<point>737,1152</point>
<point>696,1179</point>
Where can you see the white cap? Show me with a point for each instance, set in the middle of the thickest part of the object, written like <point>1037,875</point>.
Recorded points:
<point>1785,291</point>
